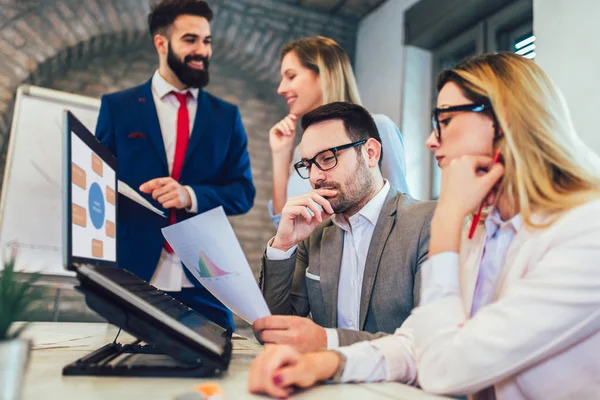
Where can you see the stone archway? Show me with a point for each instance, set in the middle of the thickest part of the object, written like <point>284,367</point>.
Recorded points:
<point>40,38</point>
<point>92,47</point>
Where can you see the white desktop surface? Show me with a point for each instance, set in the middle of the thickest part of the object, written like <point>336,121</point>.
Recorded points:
<point>56,344</point>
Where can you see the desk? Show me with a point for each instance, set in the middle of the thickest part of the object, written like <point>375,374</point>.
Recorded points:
<point>56,344</point>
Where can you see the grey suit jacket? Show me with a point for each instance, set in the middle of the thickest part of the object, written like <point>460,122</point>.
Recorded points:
<point>307,283</point>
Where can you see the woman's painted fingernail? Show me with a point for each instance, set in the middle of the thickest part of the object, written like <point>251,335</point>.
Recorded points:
<point>277,380</point>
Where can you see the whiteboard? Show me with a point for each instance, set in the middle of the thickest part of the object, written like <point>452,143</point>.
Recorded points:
<point>31,200</point>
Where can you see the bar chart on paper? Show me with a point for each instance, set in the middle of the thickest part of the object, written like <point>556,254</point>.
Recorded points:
<point>207,268</point>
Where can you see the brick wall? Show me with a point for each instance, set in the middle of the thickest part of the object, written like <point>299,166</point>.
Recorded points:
<point>92,47</point>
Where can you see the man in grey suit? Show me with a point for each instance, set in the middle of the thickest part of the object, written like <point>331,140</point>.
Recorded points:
<point>356,273</point>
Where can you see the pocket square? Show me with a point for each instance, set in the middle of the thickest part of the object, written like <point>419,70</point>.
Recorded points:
<point>312,276</point>
<point>137,135</point>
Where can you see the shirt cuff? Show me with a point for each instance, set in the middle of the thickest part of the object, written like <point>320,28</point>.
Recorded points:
<point>364,363</point>
<point>193,208</point>
<point>440,277</point>
<point>333,340</point>
<point>274,254</point>
<point>274,217</point>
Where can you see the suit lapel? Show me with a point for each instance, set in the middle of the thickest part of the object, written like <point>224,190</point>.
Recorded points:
<point>201,122</point>
<point>149,117</point>
<point>472,262</point>
<point>385,224</point>
<point>510,259</point>
<point>331,262</point>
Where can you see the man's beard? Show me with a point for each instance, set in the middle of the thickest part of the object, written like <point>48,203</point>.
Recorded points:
<point>196,78</point>
<point>357,186</point>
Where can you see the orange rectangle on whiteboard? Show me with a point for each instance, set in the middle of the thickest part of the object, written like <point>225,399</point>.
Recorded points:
<point>110,195</point>
<point>78,176</point>
<point>110,229</point>
<point>79,215</point>
<point>97,248</point>
<point>97,164</point>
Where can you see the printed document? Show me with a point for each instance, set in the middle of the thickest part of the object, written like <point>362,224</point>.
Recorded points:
<point>207,246</point>
<point>128,192</point>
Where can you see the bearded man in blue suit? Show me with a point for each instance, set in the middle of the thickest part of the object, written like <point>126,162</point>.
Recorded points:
<point>185,149</point>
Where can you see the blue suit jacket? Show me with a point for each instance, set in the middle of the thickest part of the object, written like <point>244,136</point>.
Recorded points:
<point>216,167</point>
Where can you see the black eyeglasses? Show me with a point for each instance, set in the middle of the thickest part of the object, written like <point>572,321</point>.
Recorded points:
<point>324,160</point>
<point>435,122</point>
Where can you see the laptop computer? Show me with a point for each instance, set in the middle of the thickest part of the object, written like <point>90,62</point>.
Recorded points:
<point>190,344</point>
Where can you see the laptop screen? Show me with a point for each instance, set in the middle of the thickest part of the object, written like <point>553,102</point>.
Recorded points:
<point>90,198</point>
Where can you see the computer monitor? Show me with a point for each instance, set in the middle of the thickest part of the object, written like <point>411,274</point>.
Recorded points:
<point>90,234</point>
<point>200,347</point>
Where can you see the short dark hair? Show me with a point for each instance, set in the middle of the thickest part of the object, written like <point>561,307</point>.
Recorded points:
<point>164,13</point>
<point>358,122</point>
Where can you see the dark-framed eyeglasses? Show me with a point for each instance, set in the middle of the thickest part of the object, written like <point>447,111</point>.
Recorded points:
<point>324,160</point>
<point>435,115</point>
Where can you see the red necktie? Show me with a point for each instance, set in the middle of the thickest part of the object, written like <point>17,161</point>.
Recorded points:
<point>183,137</point>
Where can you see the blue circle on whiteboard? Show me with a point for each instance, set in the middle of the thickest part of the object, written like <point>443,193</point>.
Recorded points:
<point>96,205</point>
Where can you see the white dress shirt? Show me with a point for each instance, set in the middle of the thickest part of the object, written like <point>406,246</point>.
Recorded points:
<point>169,275</point>
<point>358,231</point>
<point>499,236</point>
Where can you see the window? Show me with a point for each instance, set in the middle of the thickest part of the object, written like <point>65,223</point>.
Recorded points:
<point>525,46</point>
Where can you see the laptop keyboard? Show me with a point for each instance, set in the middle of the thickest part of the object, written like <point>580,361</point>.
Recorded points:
<point>161,300</point>
<point>147,292</point>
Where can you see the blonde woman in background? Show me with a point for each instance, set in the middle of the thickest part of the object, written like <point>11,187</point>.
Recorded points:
<point>316,71</point>
<point>514,312</point>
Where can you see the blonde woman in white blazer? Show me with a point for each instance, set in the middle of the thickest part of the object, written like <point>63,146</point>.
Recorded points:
<point>514,311</point>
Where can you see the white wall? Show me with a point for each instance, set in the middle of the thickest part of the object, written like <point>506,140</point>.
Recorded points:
<point>380,58</point>
<point>567,47</point>
<point>416,119</point>
<point>380,72</point>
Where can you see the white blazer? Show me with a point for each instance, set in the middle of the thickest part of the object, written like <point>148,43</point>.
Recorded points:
<point>539,339</point>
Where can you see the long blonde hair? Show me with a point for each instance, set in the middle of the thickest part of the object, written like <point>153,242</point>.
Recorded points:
<point>548,169</point>
<point>326,57</point>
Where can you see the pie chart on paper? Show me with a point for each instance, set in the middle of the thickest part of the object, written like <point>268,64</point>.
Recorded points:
<point>208,269</point>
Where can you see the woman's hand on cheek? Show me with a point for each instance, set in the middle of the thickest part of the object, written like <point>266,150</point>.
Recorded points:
<point>466,182</point>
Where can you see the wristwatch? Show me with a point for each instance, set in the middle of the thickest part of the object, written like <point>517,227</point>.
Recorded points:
<point>337,376</point>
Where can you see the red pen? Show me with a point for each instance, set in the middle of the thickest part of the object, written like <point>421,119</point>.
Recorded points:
<point>477,216</point>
